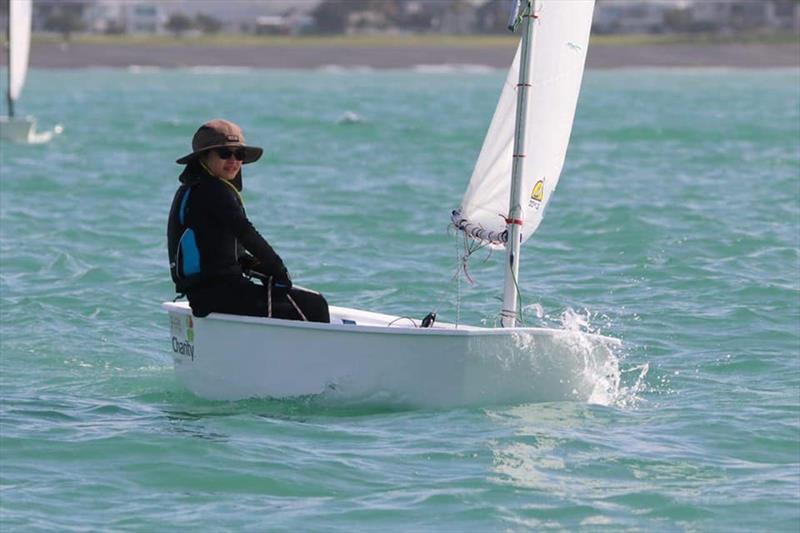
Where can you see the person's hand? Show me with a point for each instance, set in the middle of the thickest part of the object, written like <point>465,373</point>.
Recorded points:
<point>281,284</point>
<point>248,262</point>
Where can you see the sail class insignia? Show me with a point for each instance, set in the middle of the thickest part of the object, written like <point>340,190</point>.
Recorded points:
<point>537,194</point>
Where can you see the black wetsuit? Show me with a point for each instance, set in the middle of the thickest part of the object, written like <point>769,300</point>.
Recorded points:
<point>212,244</point>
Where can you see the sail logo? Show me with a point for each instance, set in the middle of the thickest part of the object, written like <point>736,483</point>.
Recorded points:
<point>183,339</point>
<point>189,330</point>
<point>537,195</point>
<point>184,348</point>
<point>182,330</point>
<point>176,325</point>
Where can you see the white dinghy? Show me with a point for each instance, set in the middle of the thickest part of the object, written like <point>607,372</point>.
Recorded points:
<point>373,356</point>
<point>13,128</point>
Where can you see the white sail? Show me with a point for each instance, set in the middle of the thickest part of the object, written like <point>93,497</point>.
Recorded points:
<point>19,33</point>
<point>556,63</point>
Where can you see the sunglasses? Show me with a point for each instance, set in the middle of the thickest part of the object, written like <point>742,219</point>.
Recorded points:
<point>227,153</point>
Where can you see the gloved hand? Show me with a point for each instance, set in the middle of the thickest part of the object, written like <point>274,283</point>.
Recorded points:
<point>281,284</point>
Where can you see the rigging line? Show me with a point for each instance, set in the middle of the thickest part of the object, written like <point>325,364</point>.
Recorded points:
<point>519,318</point>
<point>456,277</point>
<point>458,285</point>
<point>462,260</point>
<point>402,318</point>
<point>462,265</point>
<point>470,247</point>
<point>519,299</point>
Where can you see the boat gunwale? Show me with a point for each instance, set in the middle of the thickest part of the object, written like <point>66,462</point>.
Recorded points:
<point>460,331</point>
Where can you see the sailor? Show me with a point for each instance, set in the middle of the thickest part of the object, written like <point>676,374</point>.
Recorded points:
<point>215,252</point>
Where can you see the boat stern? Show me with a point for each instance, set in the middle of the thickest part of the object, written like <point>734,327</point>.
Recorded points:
<point>181,326</point>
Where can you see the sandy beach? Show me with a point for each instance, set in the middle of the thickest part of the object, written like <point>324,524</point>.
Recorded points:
<point>398,56</point>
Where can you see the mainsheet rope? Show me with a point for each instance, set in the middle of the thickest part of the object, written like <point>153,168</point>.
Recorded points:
<point>464,251</point>
<point>465,248</point>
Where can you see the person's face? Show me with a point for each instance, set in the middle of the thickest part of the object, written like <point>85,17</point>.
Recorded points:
<point>225,163</point>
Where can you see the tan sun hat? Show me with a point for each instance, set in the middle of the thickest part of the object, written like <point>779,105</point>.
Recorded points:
<point>219,133</point>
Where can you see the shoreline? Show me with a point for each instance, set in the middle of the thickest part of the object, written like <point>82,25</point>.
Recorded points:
<point>399,55</point>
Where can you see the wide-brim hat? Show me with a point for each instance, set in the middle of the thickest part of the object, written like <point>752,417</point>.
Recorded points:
<point>219,133</point>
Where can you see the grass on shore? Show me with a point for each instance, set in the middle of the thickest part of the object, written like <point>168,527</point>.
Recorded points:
<point>469,41</point>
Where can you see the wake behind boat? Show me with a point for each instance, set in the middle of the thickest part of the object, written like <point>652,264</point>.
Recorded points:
<point>364,355</point>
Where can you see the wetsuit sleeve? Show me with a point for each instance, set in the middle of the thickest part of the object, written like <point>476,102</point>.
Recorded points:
<point>246,259</point>
<point>231,216</point>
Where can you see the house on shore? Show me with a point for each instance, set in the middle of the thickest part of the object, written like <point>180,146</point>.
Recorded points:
<point>293,17</point>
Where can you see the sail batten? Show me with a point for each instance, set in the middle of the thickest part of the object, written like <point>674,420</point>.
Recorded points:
<point>556,61</point>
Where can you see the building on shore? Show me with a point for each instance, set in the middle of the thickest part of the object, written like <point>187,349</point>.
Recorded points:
<point>115,16</point>
<point>99,16</point>
<point>693,16</point>
<point>293,17</point>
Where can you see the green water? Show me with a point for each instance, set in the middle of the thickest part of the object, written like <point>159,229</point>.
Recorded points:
<point>675,227</point>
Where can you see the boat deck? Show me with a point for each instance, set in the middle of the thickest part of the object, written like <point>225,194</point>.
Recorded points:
<point>343,316</point>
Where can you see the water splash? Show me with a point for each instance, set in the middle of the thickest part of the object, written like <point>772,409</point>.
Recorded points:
<point>614,383</point>
<point>350,117</point>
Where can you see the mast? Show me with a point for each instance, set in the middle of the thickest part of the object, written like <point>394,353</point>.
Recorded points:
<point>514,221</point>
<point>8,59</point>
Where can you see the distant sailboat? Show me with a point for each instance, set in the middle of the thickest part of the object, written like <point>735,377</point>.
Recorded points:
<point>13,128</point>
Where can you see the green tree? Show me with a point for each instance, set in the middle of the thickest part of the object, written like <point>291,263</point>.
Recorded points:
<point>330,17</point>
<point>178,23</point>
<point>66,19</point>
<point>207,23</point>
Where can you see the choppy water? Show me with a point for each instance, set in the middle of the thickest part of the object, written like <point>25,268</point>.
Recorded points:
<point>676,228</point>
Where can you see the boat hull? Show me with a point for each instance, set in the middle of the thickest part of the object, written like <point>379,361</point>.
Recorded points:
<point>23,131</point>
<point>227,357</point>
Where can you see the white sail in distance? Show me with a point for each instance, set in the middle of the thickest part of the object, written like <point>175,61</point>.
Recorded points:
<point>556,62</point>
<point>19,36</point>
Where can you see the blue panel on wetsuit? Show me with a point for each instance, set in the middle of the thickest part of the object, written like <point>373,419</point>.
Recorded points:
<point>190,254</point>
<point>182,212</point>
